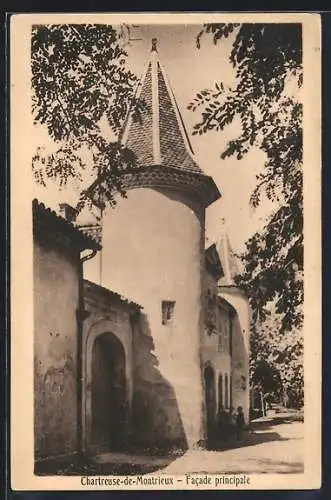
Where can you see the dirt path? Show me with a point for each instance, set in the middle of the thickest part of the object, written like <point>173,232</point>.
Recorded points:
<point>273,445</point>
<point>271,448</point>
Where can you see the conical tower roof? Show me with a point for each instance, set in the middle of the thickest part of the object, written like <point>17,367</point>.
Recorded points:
<point>229,261</point>
<point>158,136</point>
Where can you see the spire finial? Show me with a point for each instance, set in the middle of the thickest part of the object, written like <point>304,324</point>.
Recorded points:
<point>154,45</point>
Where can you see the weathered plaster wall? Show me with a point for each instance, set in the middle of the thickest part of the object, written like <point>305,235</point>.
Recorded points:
<point>215,345</point>
<point>240,347</point>
<point>156,418</point>
<point>220,361</point>
<point>105,312</point>
<point>56,295</point>
<point>153,251</point>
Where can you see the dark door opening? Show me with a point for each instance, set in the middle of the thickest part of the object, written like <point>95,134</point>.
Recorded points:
<point>210,398</point>
<point>109,402</point>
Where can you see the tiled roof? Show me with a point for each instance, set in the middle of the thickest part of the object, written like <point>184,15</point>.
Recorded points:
<point>173,135</point>
<point>45,219</point>
<point>213,262</point>
<point>140,134</point>
<point>94,231</point>
<point>158,137</point>
<point>100,294</point>
<point>160,142</point>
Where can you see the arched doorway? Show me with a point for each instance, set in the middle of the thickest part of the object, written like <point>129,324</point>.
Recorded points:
<point>210,399</point>
<point>109,395</point>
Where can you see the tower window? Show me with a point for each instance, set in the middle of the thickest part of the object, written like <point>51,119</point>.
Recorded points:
<point>168,307</point>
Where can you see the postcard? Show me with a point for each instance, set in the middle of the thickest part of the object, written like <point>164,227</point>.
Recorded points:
<point>165,251</point>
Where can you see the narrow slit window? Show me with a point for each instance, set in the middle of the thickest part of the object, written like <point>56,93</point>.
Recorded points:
<point>168,308</point>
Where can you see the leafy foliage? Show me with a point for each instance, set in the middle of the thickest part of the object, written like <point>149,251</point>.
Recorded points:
<point>267,59</point>
<point>276,364</point>
<point>79,78</point>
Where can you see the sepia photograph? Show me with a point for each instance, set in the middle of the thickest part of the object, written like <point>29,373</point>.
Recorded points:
<point>168,250</point>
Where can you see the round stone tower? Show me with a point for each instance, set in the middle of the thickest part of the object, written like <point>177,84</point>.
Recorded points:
<point>153,253</point>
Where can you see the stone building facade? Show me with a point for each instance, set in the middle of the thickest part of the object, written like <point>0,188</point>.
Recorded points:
<point>59,251</point>
<point>162,340</point>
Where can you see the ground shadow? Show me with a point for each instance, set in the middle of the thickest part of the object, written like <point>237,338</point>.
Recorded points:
<point>88,466</point>
<point>254,435</point>
<point>250,439</point>
<point>157,426</point>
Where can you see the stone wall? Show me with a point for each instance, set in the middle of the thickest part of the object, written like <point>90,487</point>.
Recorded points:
<point>56,300</point>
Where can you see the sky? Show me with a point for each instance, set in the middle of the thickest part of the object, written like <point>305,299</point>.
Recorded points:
<point>190,70</point>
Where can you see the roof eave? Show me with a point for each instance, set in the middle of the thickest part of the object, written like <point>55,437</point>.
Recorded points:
<point>215,193</point>
<point>45,217</point>
<point>153,176</point>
